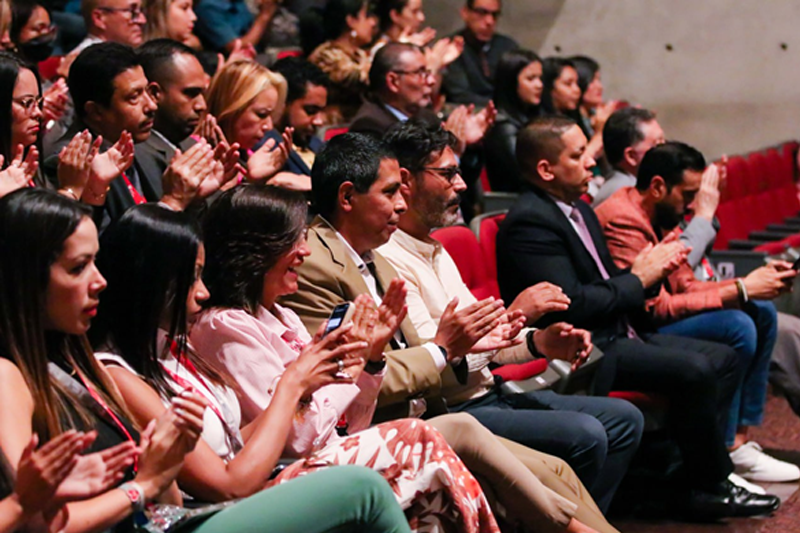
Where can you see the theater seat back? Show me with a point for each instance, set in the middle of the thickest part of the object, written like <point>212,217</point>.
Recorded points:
<point>488,227</point>
<point>463,247</point>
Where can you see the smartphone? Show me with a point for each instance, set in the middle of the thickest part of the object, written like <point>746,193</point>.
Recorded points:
<point>796,264</point>
<point>340,315</point>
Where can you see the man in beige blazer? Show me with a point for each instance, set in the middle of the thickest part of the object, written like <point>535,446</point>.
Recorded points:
<point>356,189</point>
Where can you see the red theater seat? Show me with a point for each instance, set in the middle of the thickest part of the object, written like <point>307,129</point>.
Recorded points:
<point>488,227</point>
<point>462,245</point>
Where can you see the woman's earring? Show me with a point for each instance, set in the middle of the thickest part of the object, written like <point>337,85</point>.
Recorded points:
<point>353,34</point>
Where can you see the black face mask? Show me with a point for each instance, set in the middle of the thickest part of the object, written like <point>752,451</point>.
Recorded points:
<point>38,49</point>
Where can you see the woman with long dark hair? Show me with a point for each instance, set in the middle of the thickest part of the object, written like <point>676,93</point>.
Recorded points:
<point>517,94</point>
<point>49,287</point>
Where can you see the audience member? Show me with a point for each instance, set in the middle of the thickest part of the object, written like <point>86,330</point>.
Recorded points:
<point>170,19</point>
<point>348,28</point>
<point>117,21</point>
<point>597,436</point>
<point>401,87</point>
<point>55,473</point>
<point>672,182</point>
<point>551,236</point>
<point>401,20</point>
<point>470,78</point>
<point>21,104</point>
<point>244,97</point>
<point>225,25</point>
<point>31,30</point>
<point>177,86</point>
<point>517,95</point>
<point>306,99</point>
<point>628,134</point>
<point>51,377</point>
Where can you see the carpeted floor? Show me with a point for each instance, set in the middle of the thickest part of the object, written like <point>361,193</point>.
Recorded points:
<point>780,435</point>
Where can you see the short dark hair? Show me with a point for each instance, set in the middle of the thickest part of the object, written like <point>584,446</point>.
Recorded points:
<point>541,139</point>
<point>157,57</point>
<point>669,160</point>
<point>353,157</point>
<point>384,8</point>
<point>247,229</point>
<point>385,61</point>
<point>298,72</point>
<point>622,130</point>
<point>416,142</point>
<point>92,74</point>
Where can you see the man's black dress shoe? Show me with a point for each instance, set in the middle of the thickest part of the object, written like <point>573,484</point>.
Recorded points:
<point>727,500</point>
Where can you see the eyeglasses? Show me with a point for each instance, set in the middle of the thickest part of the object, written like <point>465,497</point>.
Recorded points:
<point>448,173</point>
<point>134,11</point>
<point>485,12</point>
<point>28,102</point>
<point>421,72</point>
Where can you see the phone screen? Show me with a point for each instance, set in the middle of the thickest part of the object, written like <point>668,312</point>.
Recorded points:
<point>337,317</point>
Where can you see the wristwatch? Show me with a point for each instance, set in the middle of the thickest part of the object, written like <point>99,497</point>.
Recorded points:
<point>135,494</point>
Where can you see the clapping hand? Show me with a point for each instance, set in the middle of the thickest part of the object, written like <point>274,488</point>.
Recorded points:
<point>75,163</point>
<point>187,172</point>
<point>564,341</point>
<point>54,101</point>
<point>266,161</point>
<point>540,299</point>
<point>108,166</point>
<point>504,335</point>
<point>20,171</point>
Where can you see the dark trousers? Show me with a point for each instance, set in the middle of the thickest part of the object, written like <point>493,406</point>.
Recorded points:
<point>596,436</point>
<point>699,379</point>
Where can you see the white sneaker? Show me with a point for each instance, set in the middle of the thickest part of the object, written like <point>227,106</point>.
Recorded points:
<point>750,462</point>
<point>750,487</point>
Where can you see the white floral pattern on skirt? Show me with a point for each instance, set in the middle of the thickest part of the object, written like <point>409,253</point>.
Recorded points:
<point>431,484</point>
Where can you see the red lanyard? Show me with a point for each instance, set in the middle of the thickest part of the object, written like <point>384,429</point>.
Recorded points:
<point>182,359</point>
<point>96,397</point>
<point>136,195</point>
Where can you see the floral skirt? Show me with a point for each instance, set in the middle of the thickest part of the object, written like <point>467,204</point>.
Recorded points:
<point>431,484</point>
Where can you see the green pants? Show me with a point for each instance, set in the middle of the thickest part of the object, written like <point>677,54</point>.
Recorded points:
<point>337,499</point>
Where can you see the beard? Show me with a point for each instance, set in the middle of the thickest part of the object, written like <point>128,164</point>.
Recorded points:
<point>438,212</point>
<point>666,217</point>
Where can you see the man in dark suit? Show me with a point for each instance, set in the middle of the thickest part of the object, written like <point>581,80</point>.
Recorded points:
<point>550,235</point>
<point>112,97</point>
<point>401,87</point>
<point>470,78</point>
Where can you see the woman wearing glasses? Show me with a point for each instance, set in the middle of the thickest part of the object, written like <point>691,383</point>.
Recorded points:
<point>21,119</point>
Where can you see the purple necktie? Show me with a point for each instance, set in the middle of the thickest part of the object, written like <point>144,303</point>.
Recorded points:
<point>588,243</point>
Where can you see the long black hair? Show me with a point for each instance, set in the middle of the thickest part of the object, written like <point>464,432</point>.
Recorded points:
<point>10,65</point>
<point>148,257</point>
<point>34,225</point>
<point>506,81</point>
<point>247,230</point>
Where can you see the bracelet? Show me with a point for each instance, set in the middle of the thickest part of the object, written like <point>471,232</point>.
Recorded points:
<point>94,197</point>
<point>742,290</point>
<point>531,343</point>
<point>135,494</point>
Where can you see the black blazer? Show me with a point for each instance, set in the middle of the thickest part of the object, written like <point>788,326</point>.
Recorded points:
<point>374,118</point>
<point>536,243</point>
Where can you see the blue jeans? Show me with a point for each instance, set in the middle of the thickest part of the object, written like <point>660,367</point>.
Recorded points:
<point>752,333</point>
<point>596,436</point>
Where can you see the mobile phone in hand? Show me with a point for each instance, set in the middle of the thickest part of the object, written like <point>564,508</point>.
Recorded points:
<point>340,315</point>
